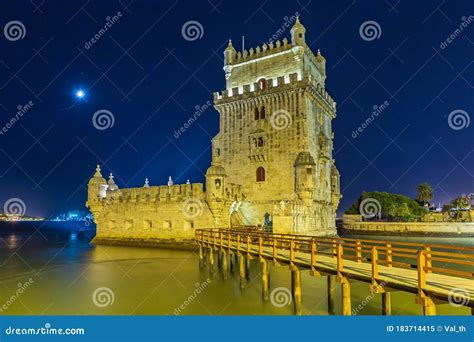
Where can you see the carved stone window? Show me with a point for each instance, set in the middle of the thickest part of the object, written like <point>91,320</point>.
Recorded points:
<point>262,83</point>
<point>260,174</point>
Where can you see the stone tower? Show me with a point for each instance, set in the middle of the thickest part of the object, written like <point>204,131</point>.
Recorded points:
<point>276,138</point>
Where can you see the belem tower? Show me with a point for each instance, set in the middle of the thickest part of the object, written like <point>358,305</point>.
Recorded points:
<point>271,163</point>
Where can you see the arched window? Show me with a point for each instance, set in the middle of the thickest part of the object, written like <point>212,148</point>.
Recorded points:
<point>262,83</point>
<point>256,113</point>
<point>260,142</point>
<point>260,174</point>
<point>262,113</point>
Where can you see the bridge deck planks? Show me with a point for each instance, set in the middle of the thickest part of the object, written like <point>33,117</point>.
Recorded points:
<point>437,285</point>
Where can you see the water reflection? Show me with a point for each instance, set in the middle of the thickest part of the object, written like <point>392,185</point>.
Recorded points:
<point>67,271</point>
<point>12,241</point>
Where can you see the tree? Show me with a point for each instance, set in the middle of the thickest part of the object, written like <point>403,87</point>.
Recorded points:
<point>459,203</point>
<point>389,206</point>
<point>424,193</point>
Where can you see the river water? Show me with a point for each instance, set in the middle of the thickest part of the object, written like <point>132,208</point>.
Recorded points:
<point>52,269</point>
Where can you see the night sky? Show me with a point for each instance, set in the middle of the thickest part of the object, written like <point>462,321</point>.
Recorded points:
<point>150,78</point>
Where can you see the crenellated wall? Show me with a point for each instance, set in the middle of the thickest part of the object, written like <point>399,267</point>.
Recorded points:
<point>279,84</point>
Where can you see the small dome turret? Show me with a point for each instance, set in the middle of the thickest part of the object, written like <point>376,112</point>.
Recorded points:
<point>229,53</point>
<point>304,158</point>
<point>111,183</point>
<point>297,33</point>
<point>215,170</point>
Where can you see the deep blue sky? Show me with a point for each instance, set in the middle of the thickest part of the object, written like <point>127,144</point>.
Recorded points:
<point>151,79</point>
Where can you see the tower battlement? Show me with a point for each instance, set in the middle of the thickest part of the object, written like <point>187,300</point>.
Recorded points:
<point>272,85</point>
<point>259,52</point>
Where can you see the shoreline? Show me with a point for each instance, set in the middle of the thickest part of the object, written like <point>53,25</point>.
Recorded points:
<point>189,245</point>
<point>406,233</point>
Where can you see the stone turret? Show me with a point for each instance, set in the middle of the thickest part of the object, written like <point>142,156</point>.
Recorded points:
<point>229,53</point>
<point>335,186</point>
<point>111,186</point>
<point>96,191</point>
<point>304,173</point>
<point>96,186</point>
<point>215,176</point>
<point>297,33</point>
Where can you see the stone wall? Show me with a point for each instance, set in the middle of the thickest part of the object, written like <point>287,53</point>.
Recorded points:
<point>352,223</point>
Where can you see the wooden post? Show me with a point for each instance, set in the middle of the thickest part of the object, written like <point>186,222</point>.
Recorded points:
<point>346,298</point>
<point>219,260</point>
<point>421,272</point>
<point>339,255</point>
<point>211,260</point>
<point>242,271</point>
<point>358,251</point>
<point>224,265</point>
<point>292,251</point>
<point>264,279</point>
<point>247,267</point>
<point>428,258</point>
<point>296,282</point>
<point>201,256</point>
<point>388,250</point>
<point>429,307</point>
<point>386,304</point>
<point>331,290</point>
<point>375,266</point>
<point>260,246</point>
<point>334,248</point>
<point>275,249</point>
<point>313,255</point>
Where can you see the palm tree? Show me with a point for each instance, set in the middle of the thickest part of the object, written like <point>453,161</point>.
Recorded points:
<point>424,193</point>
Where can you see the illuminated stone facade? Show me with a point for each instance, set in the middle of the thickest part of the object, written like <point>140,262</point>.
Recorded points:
<point>271,160</point>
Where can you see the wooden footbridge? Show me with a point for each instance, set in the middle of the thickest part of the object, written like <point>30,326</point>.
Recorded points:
<point>435,273</point>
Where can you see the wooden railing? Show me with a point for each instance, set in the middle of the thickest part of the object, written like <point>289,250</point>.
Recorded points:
<point>426,258</point>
